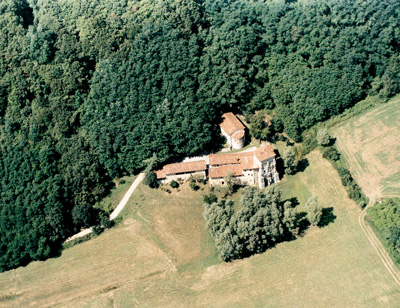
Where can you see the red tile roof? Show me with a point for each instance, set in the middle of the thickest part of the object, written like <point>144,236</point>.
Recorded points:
<point>264,152</point>
<point>227,159</point>
<point>230,123</point>
<point>238,135</point>
<point>223,171</point>
<point>177,168</point>
<point>221,164</point>
<point>235,163</point>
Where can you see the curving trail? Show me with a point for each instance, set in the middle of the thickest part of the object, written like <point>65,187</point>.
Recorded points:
<point>117,210</point>
<point>377,245</point>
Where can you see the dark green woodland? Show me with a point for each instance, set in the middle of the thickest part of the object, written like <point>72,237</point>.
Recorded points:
<point>90,89</point>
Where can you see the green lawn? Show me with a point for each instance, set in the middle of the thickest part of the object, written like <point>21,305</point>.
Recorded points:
<point>161,256</point>
<point>122,185</point>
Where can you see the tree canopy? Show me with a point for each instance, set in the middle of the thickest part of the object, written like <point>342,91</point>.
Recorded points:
<point>262,221</point>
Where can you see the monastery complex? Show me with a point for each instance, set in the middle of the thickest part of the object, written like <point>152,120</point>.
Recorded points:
<point>256,168</point>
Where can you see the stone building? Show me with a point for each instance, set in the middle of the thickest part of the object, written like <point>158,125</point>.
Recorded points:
<point>233,130</point>
<point>256,168</point>
<point>249,168</point>
<point>182,171</point>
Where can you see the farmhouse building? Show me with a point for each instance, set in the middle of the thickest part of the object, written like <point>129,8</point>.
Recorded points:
<point>182,171</point>
<point>256,168</point>
<point>233,130</point>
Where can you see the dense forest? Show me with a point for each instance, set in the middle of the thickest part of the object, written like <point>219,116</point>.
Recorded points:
<point>91,89</point>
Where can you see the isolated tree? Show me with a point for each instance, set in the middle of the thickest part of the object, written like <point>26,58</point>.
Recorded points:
<point>150,179</point>
<point>314,210</point>
<point>323,137</point>
<point>289,160</point>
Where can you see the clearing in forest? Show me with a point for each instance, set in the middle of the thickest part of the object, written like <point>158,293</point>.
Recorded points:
<point>162,256</point>
<point>370,144</point>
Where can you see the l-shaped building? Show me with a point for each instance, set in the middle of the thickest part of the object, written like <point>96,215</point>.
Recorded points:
<point>255,168</point>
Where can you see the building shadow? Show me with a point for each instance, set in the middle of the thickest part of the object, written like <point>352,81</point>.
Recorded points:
<point>280,168</point>
<point>327,217</point>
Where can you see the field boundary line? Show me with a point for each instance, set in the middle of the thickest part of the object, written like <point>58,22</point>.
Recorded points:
<point>377,245</point>
<point>116,211</point>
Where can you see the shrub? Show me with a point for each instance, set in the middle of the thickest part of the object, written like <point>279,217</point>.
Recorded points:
<point>353,190</point>
<point>174,184</point>
<point>345,176</point>
<point>323,137</point>
<point>193,186</point>
<point>106,222</point>
<point>201,180</point>
<point>97,229</point>
<point>331,154</point>
<point>210,199</point>
<point>309,141</point>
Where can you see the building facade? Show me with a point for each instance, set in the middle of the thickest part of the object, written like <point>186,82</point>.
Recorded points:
<point>182,171</point>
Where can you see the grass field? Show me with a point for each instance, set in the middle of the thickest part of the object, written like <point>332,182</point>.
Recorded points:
<point>370,144</point>
<point>161,256</point>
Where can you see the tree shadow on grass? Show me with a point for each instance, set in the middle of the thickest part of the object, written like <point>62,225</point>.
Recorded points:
<point>327,217</point>
<point>303,164</point>
<point>302,222</point>
<point>294,201</point>
<point>332,141</point>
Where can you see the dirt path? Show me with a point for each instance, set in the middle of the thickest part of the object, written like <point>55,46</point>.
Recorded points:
<point>377,245</point>
<point>128,194</point>
<point>117,210</point>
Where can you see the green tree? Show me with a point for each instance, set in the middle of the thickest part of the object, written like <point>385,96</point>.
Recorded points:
<point>150,179</point>
<point>314,211</point>
<point>262,221</point>
<point>260,129</point>
<point>289,160</point>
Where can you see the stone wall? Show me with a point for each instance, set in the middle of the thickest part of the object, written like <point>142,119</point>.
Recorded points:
<point>183,176</point>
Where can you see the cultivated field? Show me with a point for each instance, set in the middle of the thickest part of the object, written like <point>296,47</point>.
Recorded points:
<point>161,256</point>
<point>371,145</point>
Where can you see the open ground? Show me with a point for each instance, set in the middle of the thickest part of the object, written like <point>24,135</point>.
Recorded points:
<point>161,256</point>
<point>370,144</point>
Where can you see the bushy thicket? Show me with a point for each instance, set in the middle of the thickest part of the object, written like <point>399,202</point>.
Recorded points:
<point>263,221</point>
<point>385,216</point>
<point>352,188</point>
<point>88,92</point>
